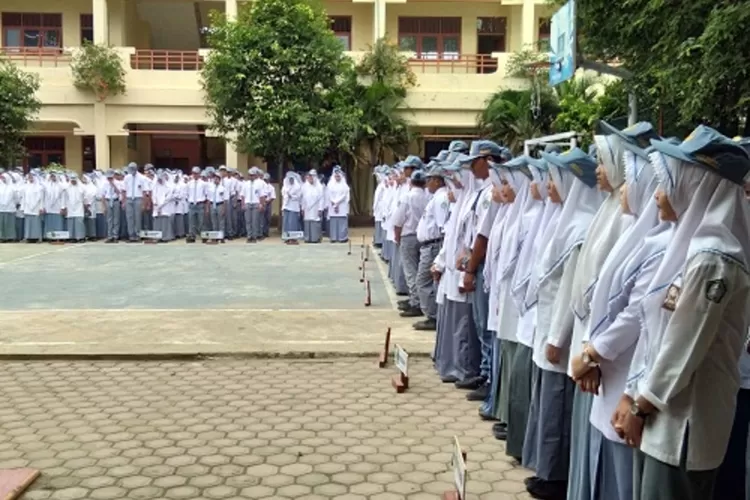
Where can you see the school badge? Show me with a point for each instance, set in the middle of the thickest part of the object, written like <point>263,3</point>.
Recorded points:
<point>673,295</point>
<point>715,291</point>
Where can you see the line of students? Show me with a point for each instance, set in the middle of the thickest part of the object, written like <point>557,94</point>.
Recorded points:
<point>315,207</point>
<point>597,306</point>
<point>117,205</point>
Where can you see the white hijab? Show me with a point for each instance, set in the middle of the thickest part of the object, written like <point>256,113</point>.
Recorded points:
<point>580,204</point>
<point>337,186</point>
<point>605,229</point>
<point>498,233</point>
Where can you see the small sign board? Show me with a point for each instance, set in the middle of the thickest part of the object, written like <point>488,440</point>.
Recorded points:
<point>58,235</point>
<point>401,359</point>
<point>151,235</point>
<point>459,469</point>
<point>292,235</point>
<point>212,235</point>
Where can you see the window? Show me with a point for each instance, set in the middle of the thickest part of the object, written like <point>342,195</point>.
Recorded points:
<point>342,28</point>
<point>42,151</point>
<point>430,37</point>
<point>545,29</point>
<point>32,31</point>
<point>491,34</point>
<point>88,149</point>
<point>87,28</point>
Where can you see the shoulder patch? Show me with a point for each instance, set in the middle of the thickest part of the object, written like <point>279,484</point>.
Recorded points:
<point>673,295</point>
<point>486,204</point>
<point>715,291</point>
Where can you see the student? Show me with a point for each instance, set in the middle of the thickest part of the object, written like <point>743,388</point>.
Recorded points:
<point>548,430</point>
<point>268,210</point>
<point>163,196</point>
<point>149,178</point>
<point>406,221</point>
<point>377,205</point>
<point>694,321</point>
<point>89,201</point>
<point>179,194</point>
<point>291,197</point>
<point>430,232</point>
<point>135,184</point>
<point>217,199</point>
<point>74,208</point>
<point>475,230</point>
<point>253,197</point>
<point>8,202</point>
<point>196,198</point>
<point>615,325</point>
<point>312,207</point>
<point>396,267</point>
<point>53,190</point>
<point>32,204</point>
<point>338,207</point>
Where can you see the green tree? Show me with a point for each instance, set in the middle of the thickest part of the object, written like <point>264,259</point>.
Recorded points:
<point>18,108</point>
<point>274,81</point>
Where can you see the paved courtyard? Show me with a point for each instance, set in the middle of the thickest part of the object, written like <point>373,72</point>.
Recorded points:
<point>252,429</point>
<point>130,299</point>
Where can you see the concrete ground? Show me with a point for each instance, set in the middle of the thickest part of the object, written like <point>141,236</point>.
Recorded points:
<point>136,299</point>
<point>243,429</point>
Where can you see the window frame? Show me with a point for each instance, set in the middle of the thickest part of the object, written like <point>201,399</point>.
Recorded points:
<point>500,35</point>
<point>543,35</point>
<point>45,151</point>
<point>440,37</point>
<point>347,20</point>
<point>87,26</point>
<point>48,22</point>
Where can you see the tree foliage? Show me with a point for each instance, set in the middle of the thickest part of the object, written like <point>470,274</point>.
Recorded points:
<point>276,80</point>
<point>690,60</point>
<point>18,108</point>
<point>98,69</point>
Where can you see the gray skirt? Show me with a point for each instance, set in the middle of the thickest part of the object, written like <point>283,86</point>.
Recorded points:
<point>90,227</point>
<point>520,400</point>
<point>338,229</point>
<point>32,227</point>
<point>457,352</point>
<point>611,468</point>
<point>508,352</point>
<point>377,234</point>
<point>179,225</point>
<point>399,278</point>
<point>7,226</point>
<point>290,221</point>
<point>77,228</point>
<point>313,231</point>
<point>546,447</point>
<point>579,480</point>
<point>164,223</point>
<point>53,222</point>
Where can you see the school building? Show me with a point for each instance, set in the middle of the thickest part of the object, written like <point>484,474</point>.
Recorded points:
<point>458,51</point>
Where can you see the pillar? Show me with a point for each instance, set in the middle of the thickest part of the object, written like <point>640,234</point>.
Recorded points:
<point>529,24</point>
<point>379,20</point>
<point>101,139</point>
<point>230,8</point>
<point>101,22</point>
<point>235,159</point>
<point>74,152</point>
<point>119,151</point>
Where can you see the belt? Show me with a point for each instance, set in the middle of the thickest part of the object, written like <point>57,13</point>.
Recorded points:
<point>219,203</point>
<point>198,202</point>
<point>430,242</point>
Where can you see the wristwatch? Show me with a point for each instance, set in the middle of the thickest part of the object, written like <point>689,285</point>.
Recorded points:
<point>588,360</point>
<point>636,410</point>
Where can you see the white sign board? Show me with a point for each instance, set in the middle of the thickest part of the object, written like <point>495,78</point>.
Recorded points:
<point>401,360</point>
<point>151,235</point>
<point>212,235</point>
<point>292,235</point>
<point>58,235</point>
<point>459,469</point>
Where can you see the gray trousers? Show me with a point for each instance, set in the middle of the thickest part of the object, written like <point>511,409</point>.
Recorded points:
<point>195,220</point>
<point>231,218</point>
<point>218,218</point>
<point>426,287</point>
<point>409,249</point>
<point>113,219</point>
<point>252,221</point>
<point>7,226</point>
<point>133,215</point>
<point>655,480</point>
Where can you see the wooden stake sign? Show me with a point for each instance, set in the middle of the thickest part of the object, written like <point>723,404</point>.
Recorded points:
<point>401,359</point>
<point>386,349</point>
<point>58,237</point>
<point>368,295</point>
<point>150,237</point>
<point>362,278</point>
<point>350,248</point>
<point>367,254</point>
<point>212,237</point>
<point>459,474</point>
<point>363,241</point>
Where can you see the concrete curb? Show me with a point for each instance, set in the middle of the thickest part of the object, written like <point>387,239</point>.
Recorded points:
<point>200,356</point>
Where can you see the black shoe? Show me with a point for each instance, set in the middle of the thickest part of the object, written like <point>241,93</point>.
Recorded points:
<point>479,394</point>
<point>402,294</point>
<point>110,240</point>
<point>487,418</point>
<point>530,480</point>
<point>500,433</point>
<point>449,380</point>
<point>412,312</point>
<point>190,240</point>
<point>471,384</point>
<point>548,490</point>
<point>428,325</point>
<point>403,304</point>
<point>500,426</point>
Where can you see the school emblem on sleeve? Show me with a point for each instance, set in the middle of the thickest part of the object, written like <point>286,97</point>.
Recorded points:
<point>673,295</point>
<point>715,291</point>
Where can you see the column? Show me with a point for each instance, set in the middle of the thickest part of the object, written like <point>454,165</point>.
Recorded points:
<point>379,20</point>
<point>101,139</point>
<point>529,24</point>
<point>230,8</point>
<point>235,159</point>
<point>101,22</point>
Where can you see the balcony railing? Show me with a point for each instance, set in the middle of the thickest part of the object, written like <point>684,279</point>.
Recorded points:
<point>167,60</point>
<point>453,63</point>
<point>33,56</point>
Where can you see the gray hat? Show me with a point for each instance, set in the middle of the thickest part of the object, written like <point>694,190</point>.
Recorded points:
<point>196,170</point>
